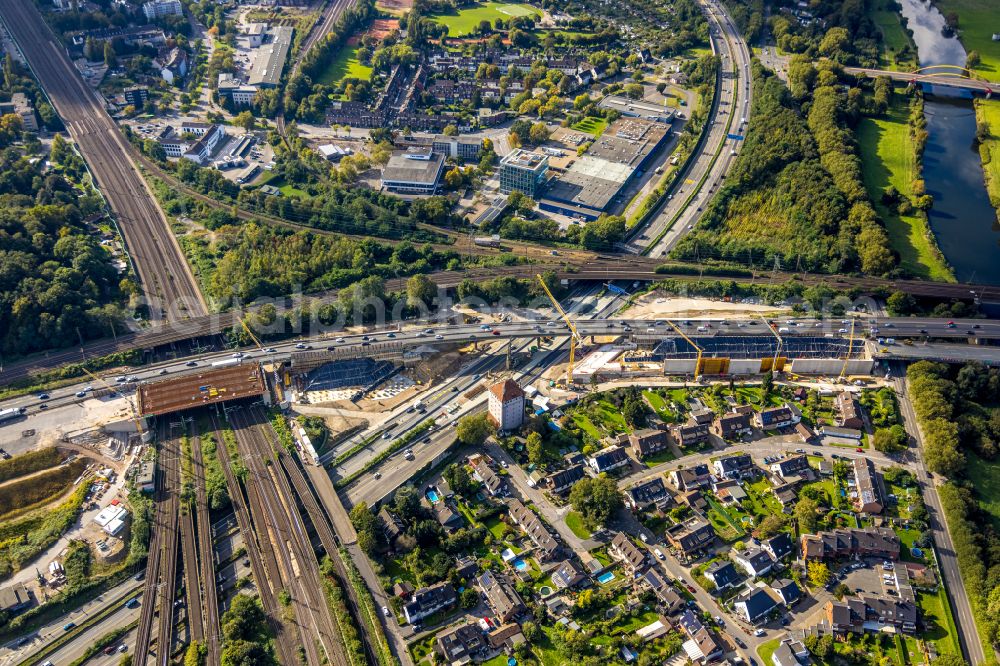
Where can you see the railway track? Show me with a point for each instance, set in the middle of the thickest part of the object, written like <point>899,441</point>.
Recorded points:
<point>167,281</point>
<point>145,627</point>
<point>170,460</point>
<point>256,549</point>
<point>298,565</point>
<point>206,556</point>
<point>192,590</point>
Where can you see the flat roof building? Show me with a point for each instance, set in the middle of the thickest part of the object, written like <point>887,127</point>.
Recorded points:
<point>523,171</point>
<point>270,59</point>
<point>413,172</point>
<point>637,108</point>
<point>593,180</point>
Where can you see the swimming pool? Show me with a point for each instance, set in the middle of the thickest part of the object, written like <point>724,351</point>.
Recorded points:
<point>520,564</point>
<point>606,577</point>
<point>432,496</point>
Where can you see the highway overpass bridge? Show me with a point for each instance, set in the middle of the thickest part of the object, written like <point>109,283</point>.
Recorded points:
<point>947,76</point>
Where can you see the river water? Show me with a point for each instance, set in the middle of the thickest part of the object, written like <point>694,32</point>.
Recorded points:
<point>962,219</point>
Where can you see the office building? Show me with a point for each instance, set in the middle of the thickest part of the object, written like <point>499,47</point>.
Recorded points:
<point>524,172</point>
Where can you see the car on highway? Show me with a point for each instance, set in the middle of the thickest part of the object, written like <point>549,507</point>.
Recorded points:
<point>441,337</point>
<point>391,336</point>
<point>81,394</point>
<point>340,340</point>
<point>191,364</point>
<point>43,396</point>
<point>69,626</point>
<point>270,350</point>
<point>495,332</point>
<point>132,603</point>
<point>377,475</point>
<point>163,371</point>
<point>300,345</point>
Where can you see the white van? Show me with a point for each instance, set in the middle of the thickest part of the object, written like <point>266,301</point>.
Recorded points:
<point>702,329</point>
<point>783,329</point>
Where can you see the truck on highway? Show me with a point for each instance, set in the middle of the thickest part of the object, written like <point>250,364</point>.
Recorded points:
<point>226,362</point>
<point>11,414</point>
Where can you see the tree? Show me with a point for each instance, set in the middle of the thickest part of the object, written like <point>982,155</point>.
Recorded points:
<point>841,591</point>
<point>460,480</point>
<point>245,120</point>
<point>536,453</point>
<point>900,303</point>
<point>767,383</point>
<point>634,409</point>
<point>973,60</point>
<point>420,291</point>
<point>110,59</point>
<point>470,597</point>
<point>596,500</point>
<point>539,133</point>
<point>453,178</point>
<point>406,504</point>
<point>450,130</point>
<point>819,573</point>
<point>805,513</point>
<point>473,430</point>
<point>890,440</point>
<point>771,525</point>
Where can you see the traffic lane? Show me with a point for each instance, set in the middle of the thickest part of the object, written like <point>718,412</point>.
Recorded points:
<point>75,648</point>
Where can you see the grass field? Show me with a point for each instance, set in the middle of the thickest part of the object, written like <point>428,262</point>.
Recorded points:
<point>595,126</point>
<point>985,477</point>
<point>977,21</point>
<point>988,111</point>
<point>466,21</point>
<point>936,615</point>
<point>345,65</point>
<point>887,158</point>
<point>574,521</point>
<point>894,37</point>
<point>765,650</point>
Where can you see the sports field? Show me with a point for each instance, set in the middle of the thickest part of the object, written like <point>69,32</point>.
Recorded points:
<point>466,21</point>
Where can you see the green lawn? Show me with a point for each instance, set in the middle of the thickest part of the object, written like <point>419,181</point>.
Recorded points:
<point>935,611</point>
<point>765,650</point>
<point>595,126</point>
<point>345,65</point>
<point>977,21</point>
<point>985,477</point>
<point>988,111</point>
<point>887,158</point>
<point>584,424</point>
<point>658,458</point>
<point>466,21</point>
<point>574,521</point>
<point>725,525</point>
<point>894,37</point>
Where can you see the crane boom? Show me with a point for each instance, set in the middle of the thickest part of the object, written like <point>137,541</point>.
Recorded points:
<point>697,364</point>
<point>574,337</point>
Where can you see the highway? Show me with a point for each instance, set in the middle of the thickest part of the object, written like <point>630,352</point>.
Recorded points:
<point>169,286</point>
<point>706,170</point>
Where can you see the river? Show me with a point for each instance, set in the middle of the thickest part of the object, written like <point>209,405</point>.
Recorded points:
<point>962,218</point>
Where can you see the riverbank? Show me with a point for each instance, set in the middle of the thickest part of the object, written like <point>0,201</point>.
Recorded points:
<point>988,113</point>
<point>890,158</point>
<point>897,51</point>
<point>977,21</point>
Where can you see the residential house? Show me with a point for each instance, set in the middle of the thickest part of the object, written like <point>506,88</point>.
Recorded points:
<point>868,487</point>
<point>851,542</point>
<point>392,526</point>
<point>666,595</point>
<point>507,636</point>
<point>848,411</point>
<point>754,606</point>
<point>786,591</point>
<point>772,418</point>
<point>691,477</point>
<point>402,589</point>
<point>804,432</point>
<point>735,467</point>
<point>779,546</point>
<point>733,426</point>
<point>501,596</point>
<point>447,517</point>
<point>466,567</point>
<point>702,416</point>
<point>632,557</point>
<point>790,652</point>
<point>691,433</point>
<point>173,64</point>
<point>567,575</point>
<point>648,442</point>
<point>562,481</point>
<point>648,494</point>
<point>694,499</point>
<point>493,482</point>
<point>729,492</point>
<point>755,561</point>
<point>608,459</point>
<point>723,574</point>
<point>793,468</point>
<point>701,645</point>
<point>546,545</point>
<point>461,644</point>
<point>692,536</point>
<point>429,600</point>
<point>871,613</point>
